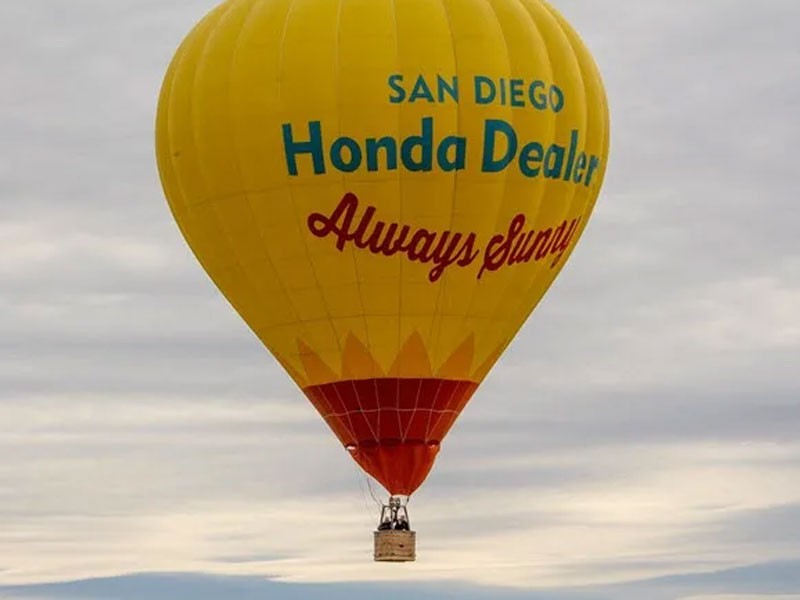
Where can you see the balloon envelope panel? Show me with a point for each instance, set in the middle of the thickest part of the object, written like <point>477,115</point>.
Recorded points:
<point>383,190</point>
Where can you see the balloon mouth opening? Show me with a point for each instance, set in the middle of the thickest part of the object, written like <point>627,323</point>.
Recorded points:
<point>399,466</point>
<point>353,448</point>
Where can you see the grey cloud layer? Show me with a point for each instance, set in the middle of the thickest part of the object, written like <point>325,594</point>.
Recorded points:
<point>654,392</point>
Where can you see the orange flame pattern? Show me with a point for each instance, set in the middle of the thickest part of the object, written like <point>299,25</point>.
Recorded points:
<point>412,361</point>
<point>392,420</point>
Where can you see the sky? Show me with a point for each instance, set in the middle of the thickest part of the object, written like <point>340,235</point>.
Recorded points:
<point>638,440</point>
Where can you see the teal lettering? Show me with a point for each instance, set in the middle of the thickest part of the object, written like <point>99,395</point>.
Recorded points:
<point>353,150</point>
<point>312,147</point>
<point>529,157</point>
<point>395,83</point>
<point>491,129</point>
<point>579,167</point>
<point>554,161</point>
<point>451,89</point>
<point>538,100</point>
<point>594,163</point>
<point>425,144</point>
<point>556,99</point>
<point>421,91</point>
<point>484,83</point>
<point>458,162</point>
<point>387,143</point>
<point>517,93</point>
<point>573,148</point>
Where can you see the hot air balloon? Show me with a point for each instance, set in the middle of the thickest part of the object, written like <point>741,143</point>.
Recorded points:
<point>383,190</point>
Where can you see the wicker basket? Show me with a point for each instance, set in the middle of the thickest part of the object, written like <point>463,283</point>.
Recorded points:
<point>395,546</point>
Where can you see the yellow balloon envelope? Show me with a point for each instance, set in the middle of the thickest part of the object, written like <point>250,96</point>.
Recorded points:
<point>383,190</point>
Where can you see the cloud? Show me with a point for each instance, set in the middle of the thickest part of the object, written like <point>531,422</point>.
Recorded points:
<point>258,487</point>
<point>159,586</point>
<point>638,439</point>
<point>766,581</point>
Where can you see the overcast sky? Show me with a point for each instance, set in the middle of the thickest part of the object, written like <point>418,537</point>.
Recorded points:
<point>639,440</point>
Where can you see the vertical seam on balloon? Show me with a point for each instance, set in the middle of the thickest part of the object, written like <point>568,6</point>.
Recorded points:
<point>444,411</point>
<point>404,434</point>
<point>509,332</point>
<point>453,198</point>
<point>221,230</point>
<point>200,66</point>
<point>504,180</point>
<point>198,63</point>
<point>347,413</point>
<point>575,196</point>
<point>469,305</point>
<point>337,86</point>
<point>539,274</point>
<point>602,122</point>
<point>329,412</point>
<point>490,319</point>
<point>400,174</point>
<point>191,110</point>
<point>369,346</point>
<point>455,178</point>
<point>164,114</point>
<point>218,15</point>
<point>178,62</point>
<point>594,73</point>
<point>400,220</point>
<point>235,143</point>
<point>245,192</point>
<point>246,196</point>
<point>289,188</point>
